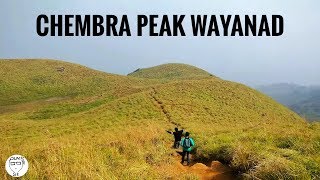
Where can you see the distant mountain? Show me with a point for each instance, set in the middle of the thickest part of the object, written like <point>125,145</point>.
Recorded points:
<point>305,100</point>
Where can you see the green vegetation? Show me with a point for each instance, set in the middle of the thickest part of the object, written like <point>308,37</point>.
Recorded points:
<point>171,71</point>
<point>100,125</point>
<point>30,80</point>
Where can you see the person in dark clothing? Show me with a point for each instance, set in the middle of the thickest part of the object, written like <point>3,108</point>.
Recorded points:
<point>187,143</point>
<point>177,137</point>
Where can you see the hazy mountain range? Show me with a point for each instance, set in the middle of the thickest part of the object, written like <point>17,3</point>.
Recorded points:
<point>305,100</point>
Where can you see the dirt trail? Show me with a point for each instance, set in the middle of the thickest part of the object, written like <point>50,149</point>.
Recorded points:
<point>215,171</point>
<point>160,105</point>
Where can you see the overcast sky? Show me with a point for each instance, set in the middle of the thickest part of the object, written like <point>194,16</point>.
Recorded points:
<point>292,58</point>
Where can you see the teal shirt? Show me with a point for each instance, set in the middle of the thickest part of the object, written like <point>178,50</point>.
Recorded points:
<point>187,149</point>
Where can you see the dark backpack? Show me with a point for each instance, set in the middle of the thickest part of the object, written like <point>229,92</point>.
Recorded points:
<point>186,143</point>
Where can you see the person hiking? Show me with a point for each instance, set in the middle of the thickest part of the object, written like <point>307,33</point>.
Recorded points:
<point>187,143</point>
<point>177,137</point>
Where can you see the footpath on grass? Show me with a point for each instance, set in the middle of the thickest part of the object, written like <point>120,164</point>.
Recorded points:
<point>215,170</point>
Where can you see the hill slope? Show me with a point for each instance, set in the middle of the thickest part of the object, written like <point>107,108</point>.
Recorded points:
<point>121,134</point>
<point>171,71</point>
<point>29,80</point>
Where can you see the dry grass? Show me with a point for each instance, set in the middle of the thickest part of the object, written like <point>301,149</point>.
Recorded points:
<point>115,129</point>
<point>171,71</point>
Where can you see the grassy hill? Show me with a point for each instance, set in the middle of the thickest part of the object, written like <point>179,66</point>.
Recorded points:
<point>115,128</point>
<point>29,80</point>
<point>171,71</point>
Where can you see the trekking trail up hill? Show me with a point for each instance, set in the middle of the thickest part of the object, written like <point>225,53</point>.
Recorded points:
<point>69,113</point>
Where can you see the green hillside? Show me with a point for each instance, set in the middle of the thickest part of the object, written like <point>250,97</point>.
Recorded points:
<point>171,71</point>
<point>28,80</point>
<point>115,129</point>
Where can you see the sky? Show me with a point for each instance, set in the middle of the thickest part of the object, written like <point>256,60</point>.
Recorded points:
<point>290,58</point>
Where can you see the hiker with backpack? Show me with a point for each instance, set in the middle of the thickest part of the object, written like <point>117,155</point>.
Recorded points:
<point>177,137</point>
<point>187,143</point>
